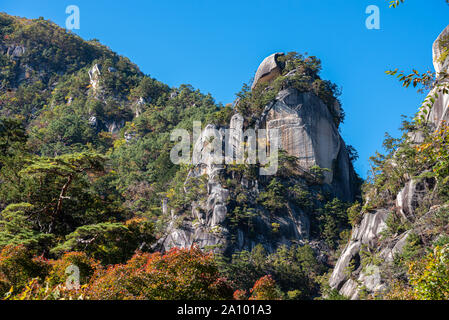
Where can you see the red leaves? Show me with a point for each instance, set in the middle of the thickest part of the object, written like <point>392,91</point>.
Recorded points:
<point>240,295</point>
<point>179,274</point>
<point>265,289</point>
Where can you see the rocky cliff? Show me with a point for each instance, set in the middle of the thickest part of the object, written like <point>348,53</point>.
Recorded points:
<point>308,134</point>
<point>369,263</point>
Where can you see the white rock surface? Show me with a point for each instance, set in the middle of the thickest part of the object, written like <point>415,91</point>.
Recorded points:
<point>94,75</point>
<point>366,234</point>
<point>440,109</point>
<point>307,129</point>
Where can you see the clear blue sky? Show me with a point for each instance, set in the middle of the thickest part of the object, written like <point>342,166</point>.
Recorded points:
<point>217,45</point>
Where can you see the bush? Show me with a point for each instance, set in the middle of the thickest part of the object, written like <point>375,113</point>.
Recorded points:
<point>181,274</point>
<point>17,267</point>
<point>87,266</point>
<point>429,276</point>
<point>266,289</point>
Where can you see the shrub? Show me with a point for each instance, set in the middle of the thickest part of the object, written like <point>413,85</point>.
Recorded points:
<point>265,289</point>
<point>86,265</point>
<point>429,276</point>
<point>17,267</point>
<point>187,274</point>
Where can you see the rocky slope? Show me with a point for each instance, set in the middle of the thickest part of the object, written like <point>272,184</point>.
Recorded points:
<point>366,266</point>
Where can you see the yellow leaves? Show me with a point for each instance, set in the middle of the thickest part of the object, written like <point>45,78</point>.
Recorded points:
<point>118,143</point>
<point>171,193</point>
<point>423,147</point>
<point>429,276</point>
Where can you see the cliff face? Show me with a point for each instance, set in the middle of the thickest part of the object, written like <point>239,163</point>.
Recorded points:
<point>415,205</point>
<point>439,111</point>
<point>308,133</point>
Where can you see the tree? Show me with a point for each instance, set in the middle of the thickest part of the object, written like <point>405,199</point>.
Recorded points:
<point>396,3</point>
<point>17,267</point>
<point>272,198</point>
<point>17,229</point>
<point>265,289</point>
<point>12,136</point>
<point>109,242</point>
<point>68,167</point>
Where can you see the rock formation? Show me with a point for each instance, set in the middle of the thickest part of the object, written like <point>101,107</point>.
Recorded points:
<point>268,69</point>
<point>308,132</point>
<point>94,76</point>
<point>440,109</point>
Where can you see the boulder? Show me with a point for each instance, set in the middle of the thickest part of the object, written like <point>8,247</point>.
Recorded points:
<point>307,129</point>
<point>268,69</point>
<point>440,47</point>
<point>15,51</point>
<point>410,197</point>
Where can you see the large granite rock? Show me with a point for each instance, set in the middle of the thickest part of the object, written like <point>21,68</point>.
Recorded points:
<point>94,76</point>
<point>440,47</point>
<point>268,69</point>
<point>411,196</point>
<point>364,236</point>
<point>367,236</point>
<point>349,276</point>
<point>15,51</point>
<point>309,133</point>
<point>207,224</point>
<point>307,129</point>
<point>440,109</point>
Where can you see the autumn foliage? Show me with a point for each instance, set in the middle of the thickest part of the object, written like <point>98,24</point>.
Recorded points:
<point>265,289</point>
<point>17,267</point>
<point>180,274</point>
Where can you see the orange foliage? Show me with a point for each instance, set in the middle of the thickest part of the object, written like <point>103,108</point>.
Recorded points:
<point>186,274</point>
<point>265,289</point>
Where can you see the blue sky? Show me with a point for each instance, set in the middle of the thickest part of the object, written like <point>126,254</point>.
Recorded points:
<point>217,46</point>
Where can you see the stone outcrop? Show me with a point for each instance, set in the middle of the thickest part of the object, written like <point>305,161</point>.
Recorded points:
<point>206,227</point>
<point>308,132</point>
<point>440,109</point>
<point>411,196</point>
<point>439,48</point>
<point>366,234</point>
<point>15,51</point>
<point>350,277</point>
<point>268,70</point>
<point>94,76</point>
